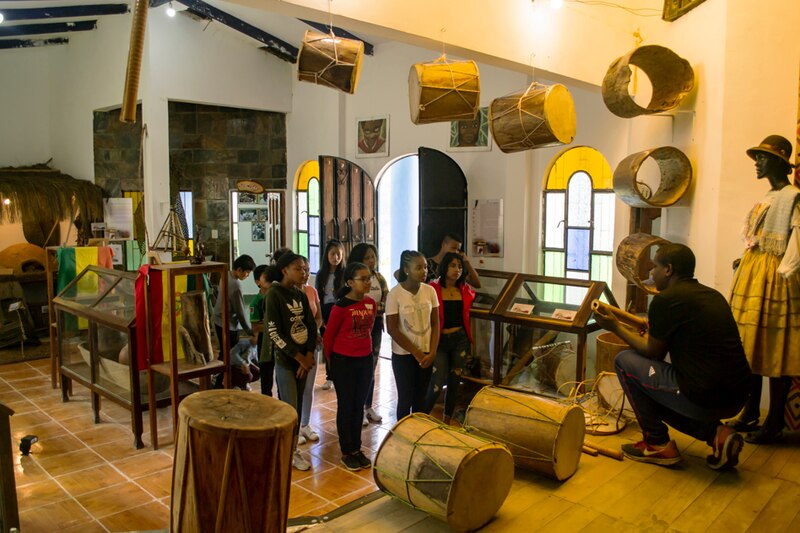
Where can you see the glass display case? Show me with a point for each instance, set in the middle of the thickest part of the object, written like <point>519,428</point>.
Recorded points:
<point>534,333</point>
<point>96,324</point>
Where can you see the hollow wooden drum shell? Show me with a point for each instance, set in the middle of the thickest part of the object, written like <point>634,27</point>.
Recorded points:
<point>542,434</point>
<point>632,251</point>
<point>232,468</point>
<point>458,477</point>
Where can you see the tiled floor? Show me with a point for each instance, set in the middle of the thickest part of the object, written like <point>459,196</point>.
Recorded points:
<point>87,477</point>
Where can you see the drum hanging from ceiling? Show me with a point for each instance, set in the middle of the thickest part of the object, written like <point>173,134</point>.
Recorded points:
<point>675,177</point>
<point>670,75</point>
<point>331,61</point>
<point>442,90</point>
<point>542,115</point>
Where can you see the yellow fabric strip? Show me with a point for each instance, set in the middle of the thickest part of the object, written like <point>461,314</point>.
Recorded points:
<point>180,288</point>
<point>87,285</point>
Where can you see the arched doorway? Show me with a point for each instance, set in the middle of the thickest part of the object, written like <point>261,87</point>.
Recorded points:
<point>421,198</point>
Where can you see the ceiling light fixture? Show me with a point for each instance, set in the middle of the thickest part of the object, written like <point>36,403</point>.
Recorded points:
<point>2,18</point>
<point>170,10</point>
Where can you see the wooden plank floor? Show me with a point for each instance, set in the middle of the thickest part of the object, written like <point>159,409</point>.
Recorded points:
<point>605,496</point>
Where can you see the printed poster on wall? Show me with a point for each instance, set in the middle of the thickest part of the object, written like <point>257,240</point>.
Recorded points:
<point>487,228</point>
<point>118,216</point>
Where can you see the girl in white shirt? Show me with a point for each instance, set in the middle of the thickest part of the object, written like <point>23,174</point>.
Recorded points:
<point>412,320</point>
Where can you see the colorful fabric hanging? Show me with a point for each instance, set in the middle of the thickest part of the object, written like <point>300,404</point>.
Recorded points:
<point>159,315</point>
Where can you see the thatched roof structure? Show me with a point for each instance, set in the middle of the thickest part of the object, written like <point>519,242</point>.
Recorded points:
<point>43,195</point>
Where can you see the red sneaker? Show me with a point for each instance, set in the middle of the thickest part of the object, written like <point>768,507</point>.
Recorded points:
<point>726,446</point>
<point>642,452</point>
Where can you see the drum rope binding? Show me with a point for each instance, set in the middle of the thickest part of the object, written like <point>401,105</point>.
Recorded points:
<point>537,456</point>
<point>444,61</point>
<point>525,141</point>
<point>597,416</point>
<point>408,480</point>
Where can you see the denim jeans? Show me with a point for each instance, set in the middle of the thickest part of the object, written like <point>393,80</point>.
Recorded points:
<point>308,393</point>
<point>412,384</point>
<point>447,368</point>
<point>377,336</point>
<point>290,387</point>
<point>652,389</point>
<point>351,378</point>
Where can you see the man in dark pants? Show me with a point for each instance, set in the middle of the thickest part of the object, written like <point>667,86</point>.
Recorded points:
<point>706,379</point>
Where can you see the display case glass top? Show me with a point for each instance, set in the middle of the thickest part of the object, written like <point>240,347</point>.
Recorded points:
<point>106,294</point>
<point>531,298</point>
<point>492,285</point>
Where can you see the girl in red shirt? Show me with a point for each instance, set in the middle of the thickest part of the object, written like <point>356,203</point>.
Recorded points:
<point>348,347</point>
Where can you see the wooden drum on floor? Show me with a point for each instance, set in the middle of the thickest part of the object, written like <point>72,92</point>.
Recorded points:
<point>446,472</point>
<point>542,434</point>
<point>443,90</point>
<point>540,116</point>
<point>233,460</point>
<point>331,61</point>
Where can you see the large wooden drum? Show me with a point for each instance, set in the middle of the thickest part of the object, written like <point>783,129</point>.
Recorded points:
<point>446,472</point>
<point>443,90</point>
<point>608,346</point>
<point>233,461</point>
<point>633,257</point>
<point>331,61</point>
<point>540,116</point>
<point>542,434</point>
<point>671,76</point>
<point>675,176</point>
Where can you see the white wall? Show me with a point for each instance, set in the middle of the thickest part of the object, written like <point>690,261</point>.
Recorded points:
<point>24,106</point>
<point>746,89</point>
<point>572,41</point>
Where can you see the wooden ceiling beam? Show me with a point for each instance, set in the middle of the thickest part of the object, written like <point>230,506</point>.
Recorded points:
<point>6,44</point>
<point>40,29</point>
<point>39,13</point>
<point>273,45</point>
<point>339,32</point>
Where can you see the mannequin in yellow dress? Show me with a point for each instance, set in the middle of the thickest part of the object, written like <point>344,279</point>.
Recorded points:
<point>765,297</point>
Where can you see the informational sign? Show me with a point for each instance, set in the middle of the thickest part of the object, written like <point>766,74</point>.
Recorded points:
<point>487,228</point>
<point>118,216</point>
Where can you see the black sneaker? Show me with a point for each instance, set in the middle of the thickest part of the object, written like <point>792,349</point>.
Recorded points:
<point>363,460</point>
<point>351,462</point>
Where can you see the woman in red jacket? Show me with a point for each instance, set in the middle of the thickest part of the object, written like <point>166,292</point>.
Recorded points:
<point>455,298</point>
<point>348,345</point>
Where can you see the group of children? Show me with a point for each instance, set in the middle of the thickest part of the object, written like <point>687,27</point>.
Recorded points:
<point>342,318</point>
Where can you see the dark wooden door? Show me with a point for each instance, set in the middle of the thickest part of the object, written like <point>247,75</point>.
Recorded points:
<point>442,200</point>
<point>348,203</point>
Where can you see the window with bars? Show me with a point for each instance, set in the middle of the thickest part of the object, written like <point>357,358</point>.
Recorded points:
<point>307,238</point>
<point>578,221</point>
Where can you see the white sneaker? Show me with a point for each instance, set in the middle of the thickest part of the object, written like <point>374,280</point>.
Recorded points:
<point>373,416</point>
<point>365,422</point>
<point>301,439</point>
<point>327,385</point>
<point>308,433</point>
<point>299,463</point>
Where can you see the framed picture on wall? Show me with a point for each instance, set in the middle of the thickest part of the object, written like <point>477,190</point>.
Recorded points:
<point>372,137</point>
<point>471,135</point>
<point>262,215</point>
<point>248,215</point>
<point>259,232</point>
<point>247,198</point>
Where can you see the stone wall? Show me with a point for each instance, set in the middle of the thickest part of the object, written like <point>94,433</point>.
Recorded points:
<point>117,148</point>
<point>211,148</point>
